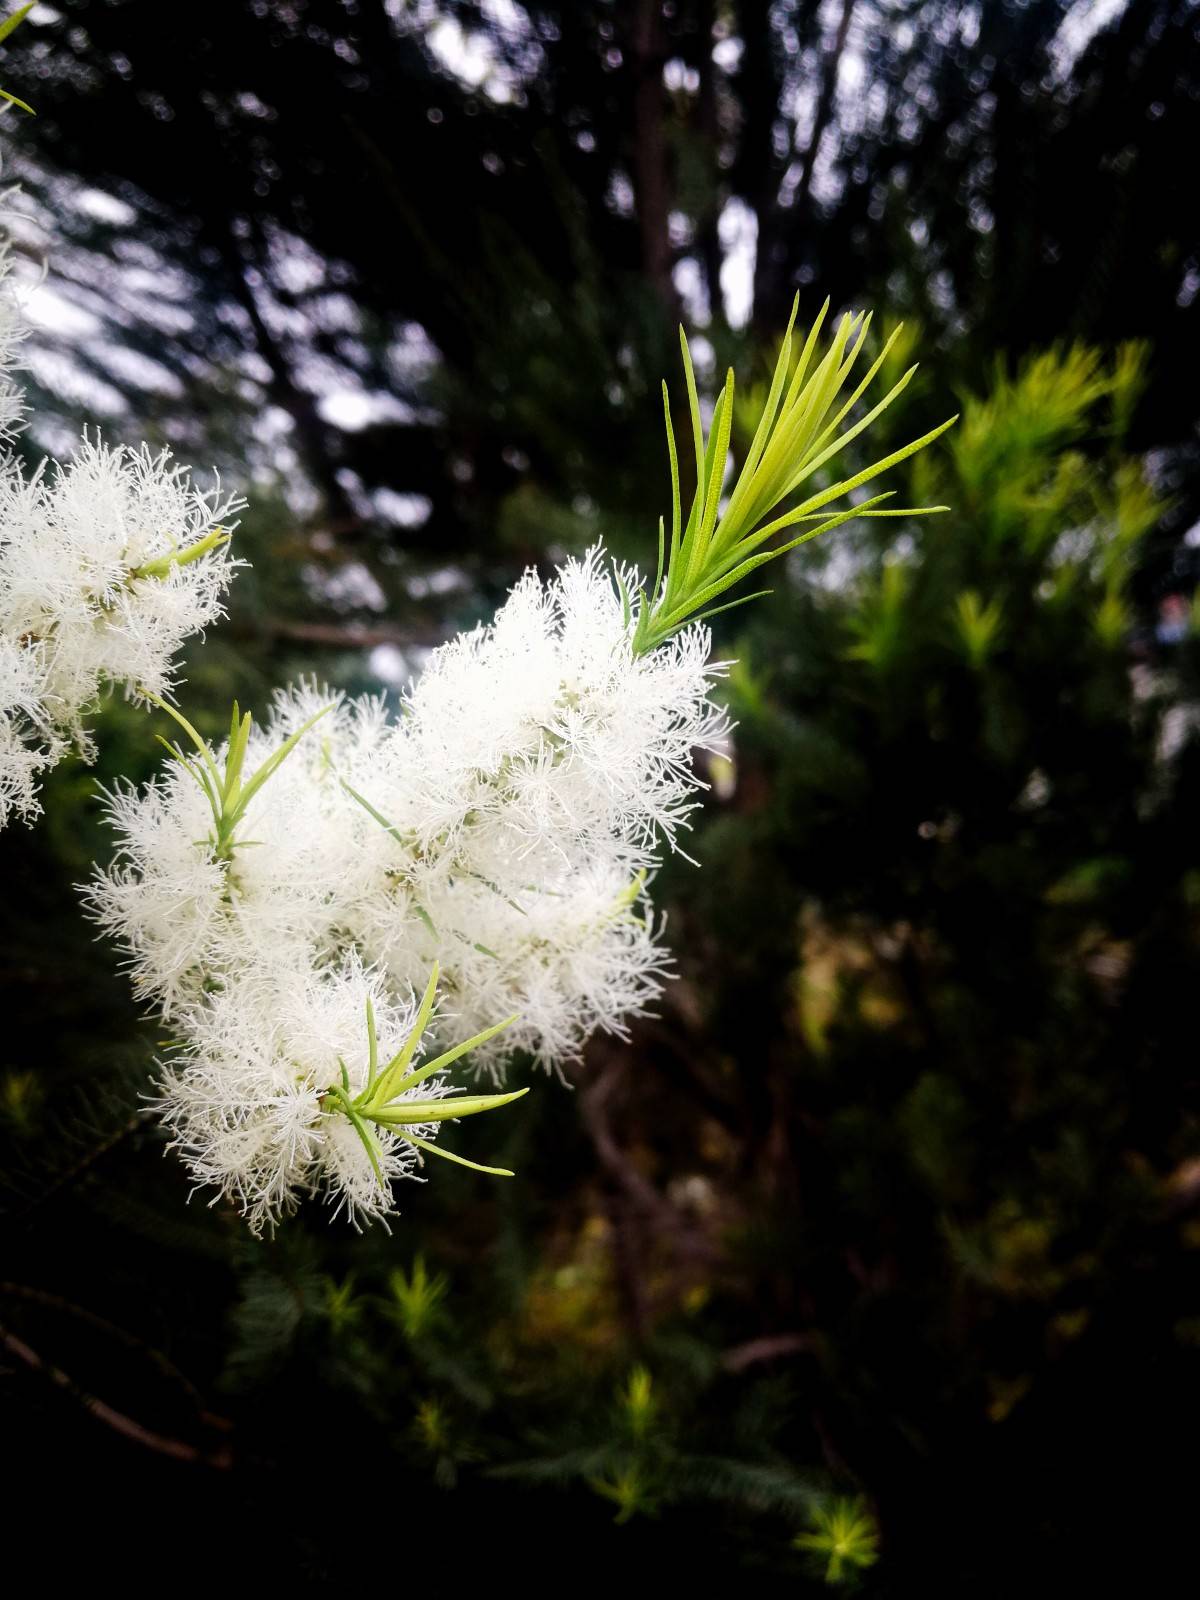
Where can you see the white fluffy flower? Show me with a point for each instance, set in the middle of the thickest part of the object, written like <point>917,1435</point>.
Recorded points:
<point>545,732</point>
<point>503,825</point>
<point>248,1101</point>
<point>501,830</point>
<point>108,563</point>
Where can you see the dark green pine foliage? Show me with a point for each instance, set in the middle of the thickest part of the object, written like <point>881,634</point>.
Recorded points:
<point>952,903</point>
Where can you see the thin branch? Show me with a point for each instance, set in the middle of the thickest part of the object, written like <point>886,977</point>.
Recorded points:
<point>769,1348</point>
<point>831,63</point>
<point>345,636</point>
<point>132,1341</point>
<point>161,1444</point>
<point>80,1167</point>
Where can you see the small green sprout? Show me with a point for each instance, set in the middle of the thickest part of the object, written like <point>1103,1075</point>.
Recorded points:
<point>977,626</point>
<point>1112,619</point>
<point>437,1435</point>
<point>227,795</point>
<point>429,1425</point>
<point>20,1097</point>
<point>627,1491</point>
<point>415,1297</point>
<point>381,1103</point>
<point>639,1402</point>
<point>880,623</point>
<point>343,1304</point>
<point>845,1534</point>
<point>797,434</point>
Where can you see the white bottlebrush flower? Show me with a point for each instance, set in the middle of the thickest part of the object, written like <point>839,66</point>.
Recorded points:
<point>500,830</point>
<point>547,733</point>
<point>19,767</point>
<point>503,826</point>
<point>295,1084</point>
<point>108,562</point>
<point>572,955</point>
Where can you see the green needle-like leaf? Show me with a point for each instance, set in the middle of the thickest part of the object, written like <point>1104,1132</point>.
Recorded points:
<point>459,1050</point>
<point>239,737</point>
<point>161,565</point>
<point>15,21</point>
<point>6,27</point>
<point>372,1049</point>
<point>275,760</point>
<point>800,430</point>
<point>200,744</point>
<point>227,796</point>
<point>379,1103</point>
<point>371,812</point>
<point>401,1112</point>
<point>393,1074</point>
<point>340,1094</point>
<point>449,1155</point>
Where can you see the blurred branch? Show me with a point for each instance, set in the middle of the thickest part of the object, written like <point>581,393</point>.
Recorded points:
<point>770,1348</point>
<point>80,1167</point>
<point>593,1106</point>
<point>685,1052</point>
<point>830,67</point>
<point>127,1427</point>
<point>639,1215</point>
<point>649,153</point>
<point>341,636</point>
<point>131,1341</point>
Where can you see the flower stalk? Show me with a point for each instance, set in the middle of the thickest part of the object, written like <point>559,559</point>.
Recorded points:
<point>161,565</point>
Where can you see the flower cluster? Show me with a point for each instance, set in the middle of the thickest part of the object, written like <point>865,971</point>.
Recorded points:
<point>501,828</point>
<point>292,1084</point>
<point>107,563</point>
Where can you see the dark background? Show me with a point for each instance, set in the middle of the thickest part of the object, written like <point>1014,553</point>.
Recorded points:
<point>897,1197</point>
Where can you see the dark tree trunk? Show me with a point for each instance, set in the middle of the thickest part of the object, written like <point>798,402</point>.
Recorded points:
<point>651,179</point>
